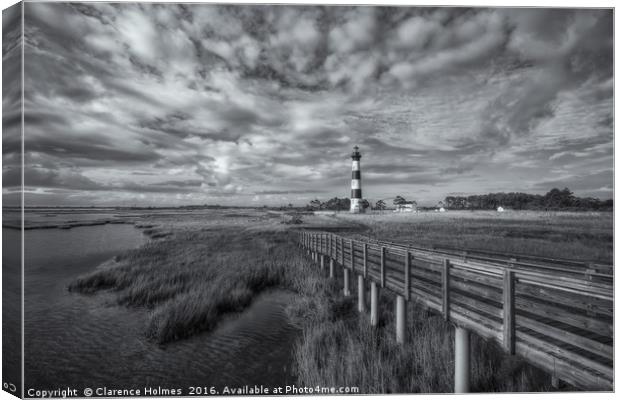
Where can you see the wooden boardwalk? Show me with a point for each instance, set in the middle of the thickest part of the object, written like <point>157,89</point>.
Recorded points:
<point>556,314</point>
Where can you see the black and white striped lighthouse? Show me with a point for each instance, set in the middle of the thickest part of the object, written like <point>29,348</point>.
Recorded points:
<point>356,182</point>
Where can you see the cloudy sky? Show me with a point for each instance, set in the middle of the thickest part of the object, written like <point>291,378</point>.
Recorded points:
<point>170,104</point>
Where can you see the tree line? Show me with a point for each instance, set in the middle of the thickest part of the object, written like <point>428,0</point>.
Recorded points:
<point>333,204</point>
<point>555,199</point>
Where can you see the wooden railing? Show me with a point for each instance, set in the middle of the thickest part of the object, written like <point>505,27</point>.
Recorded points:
<point>590,270</point>
<point>555,316</point>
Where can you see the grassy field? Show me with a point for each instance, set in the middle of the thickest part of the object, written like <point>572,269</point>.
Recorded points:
<point>581,236</point>
<point>199,272</point>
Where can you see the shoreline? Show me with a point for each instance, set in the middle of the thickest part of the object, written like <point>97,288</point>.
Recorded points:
<point>69,225</point>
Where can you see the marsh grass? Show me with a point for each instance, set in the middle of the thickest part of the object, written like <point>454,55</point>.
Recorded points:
<point>579,236</point>
<point>191,279</point>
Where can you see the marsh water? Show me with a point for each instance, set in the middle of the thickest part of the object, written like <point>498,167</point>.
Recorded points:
<point>84,341</point>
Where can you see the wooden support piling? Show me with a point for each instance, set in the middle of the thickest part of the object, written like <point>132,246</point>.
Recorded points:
<point>401,319</point>
<point>374,303</point>
<point>461,360</point>
<point>331,267</point>
<point>361,294</point>
<point>347,282</point>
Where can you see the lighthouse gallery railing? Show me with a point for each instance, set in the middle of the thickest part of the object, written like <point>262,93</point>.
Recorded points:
<point>560,323</point>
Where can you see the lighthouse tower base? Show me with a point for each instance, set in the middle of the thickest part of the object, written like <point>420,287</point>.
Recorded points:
<point>356,206</point>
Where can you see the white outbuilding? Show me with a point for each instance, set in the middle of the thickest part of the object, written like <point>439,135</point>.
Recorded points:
<point>406,207</point>
<point>500,209</point>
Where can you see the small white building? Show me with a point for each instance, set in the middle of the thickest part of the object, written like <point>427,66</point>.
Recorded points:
<point>441,209</point>
<point>407,207</point>
<point>500,209</point>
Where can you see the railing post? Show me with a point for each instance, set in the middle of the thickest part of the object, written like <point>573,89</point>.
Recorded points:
<point>325,245</point>
<point>509,311</point>
<point>365,260</point>
<point>445,289</point>
<point>346,272</point>
<point>382,266</point>
<point>361,294</point>
<point>407,287</point>
<point>342,251</point>
<point>314,248</point>
<point>352,259</point>
<point>589,271</point>
<point>331,251</point>
<point>461,360</point>
<point>337,249</point>
<point>374,303</point>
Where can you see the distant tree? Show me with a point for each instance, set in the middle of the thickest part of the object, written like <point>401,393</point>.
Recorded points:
<point>365,204</point>
<point>290,205</point>
<point>337,204</point>
<point>557,198</point>
<point>380,205</point>
<point>316,204</point>
<point>399,200</point>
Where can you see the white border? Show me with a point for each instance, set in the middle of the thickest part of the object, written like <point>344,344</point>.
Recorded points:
<point>477,3</point>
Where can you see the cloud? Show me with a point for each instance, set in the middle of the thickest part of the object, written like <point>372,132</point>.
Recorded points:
<point>303,191</point>
<point>597,183</point>
<point>205,102</point>
<point>46,178</point>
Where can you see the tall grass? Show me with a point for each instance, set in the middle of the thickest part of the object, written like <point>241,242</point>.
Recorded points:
<point>190,281</point>
<point>339,348</point>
